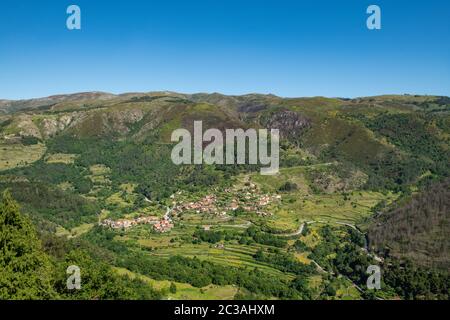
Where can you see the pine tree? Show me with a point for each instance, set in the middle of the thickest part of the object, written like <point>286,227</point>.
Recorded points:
<point>25,270</point>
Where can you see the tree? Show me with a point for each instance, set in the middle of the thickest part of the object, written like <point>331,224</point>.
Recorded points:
<point>330,290</point>
<point>99,281</point>
<point>172,288</point>
<point>259,255</point>
<point>288,186</point>
<point>25,270</point>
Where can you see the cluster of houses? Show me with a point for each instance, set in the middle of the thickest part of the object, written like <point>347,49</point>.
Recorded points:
<point>248,198</point>
<point>205,205</point>
<point>253,202</point>
<point>164,225</point>
<point>128,223</point>
<point>159,225</point>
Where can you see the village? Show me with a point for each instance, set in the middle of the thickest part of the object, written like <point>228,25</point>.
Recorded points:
<point>159,225</point>
<point>247,199</point>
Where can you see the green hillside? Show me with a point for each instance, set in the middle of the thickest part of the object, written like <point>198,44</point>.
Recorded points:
<point>351,170</point>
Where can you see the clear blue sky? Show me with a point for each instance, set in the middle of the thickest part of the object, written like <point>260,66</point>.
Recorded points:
<point>289,48</point>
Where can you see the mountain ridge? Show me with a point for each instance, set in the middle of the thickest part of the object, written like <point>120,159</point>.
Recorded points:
<point>8,105</point>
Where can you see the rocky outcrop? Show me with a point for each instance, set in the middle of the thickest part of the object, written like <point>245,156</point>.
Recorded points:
<point>98,123</point>
<point>120,121</point>
<point>27,128</point>
<point>51,126</point>
<point>334,179</point>
<point>289,123</point>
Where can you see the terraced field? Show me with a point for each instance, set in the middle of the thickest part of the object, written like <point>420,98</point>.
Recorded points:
<point>17,155</point>
<point>232,255</point>
<point>185,291</point>
<point>61,158</point>
<point>303,205</point>
<point>329,207</point>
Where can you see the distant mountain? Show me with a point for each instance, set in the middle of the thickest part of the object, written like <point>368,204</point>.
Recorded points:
<point>10,106</point>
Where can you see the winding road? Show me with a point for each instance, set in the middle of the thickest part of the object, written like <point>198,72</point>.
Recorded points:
<point>296,233</point>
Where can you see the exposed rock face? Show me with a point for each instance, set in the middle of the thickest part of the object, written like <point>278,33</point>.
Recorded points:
<point>119,121</point>
<point>330,181</point>
<point>94,122</point>
<point>51,126</point>
<point>289,123</point>
<point>28,128</point>
<point>156,117</point>
<point>128,116</point>
<point>99,123</point>
<point>251,107</point>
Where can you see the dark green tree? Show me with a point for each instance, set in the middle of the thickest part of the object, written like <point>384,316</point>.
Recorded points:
<point>173,288</point>
<point>25,270</point>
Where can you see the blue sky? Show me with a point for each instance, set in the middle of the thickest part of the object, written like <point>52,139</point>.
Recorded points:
<point>288,48</point>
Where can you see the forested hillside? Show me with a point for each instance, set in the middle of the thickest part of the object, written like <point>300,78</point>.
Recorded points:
<point>417,228</point>
<point>29,270</point>
<point>361,182</point>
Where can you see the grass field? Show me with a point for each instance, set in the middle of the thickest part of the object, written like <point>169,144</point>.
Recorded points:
<point>271,183</point>
<point>346,290</point>
<point>302,257</point>
<point>61,158</point>
<point>17,155</point>
<point>185,291</point>
<point>99,174</point>
<point>75,232</point>
<point>325,208</point>
<point>116,199</point>
<point>313,238</point>
<point>304,205</point>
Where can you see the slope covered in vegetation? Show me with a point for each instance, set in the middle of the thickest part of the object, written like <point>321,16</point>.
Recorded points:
<point>350,168</point>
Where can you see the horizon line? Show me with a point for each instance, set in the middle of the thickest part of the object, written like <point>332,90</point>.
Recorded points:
<point>118,94</point>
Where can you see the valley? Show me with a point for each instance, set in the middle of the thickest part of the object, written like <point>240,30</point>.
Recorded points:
<point>93,173</point>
